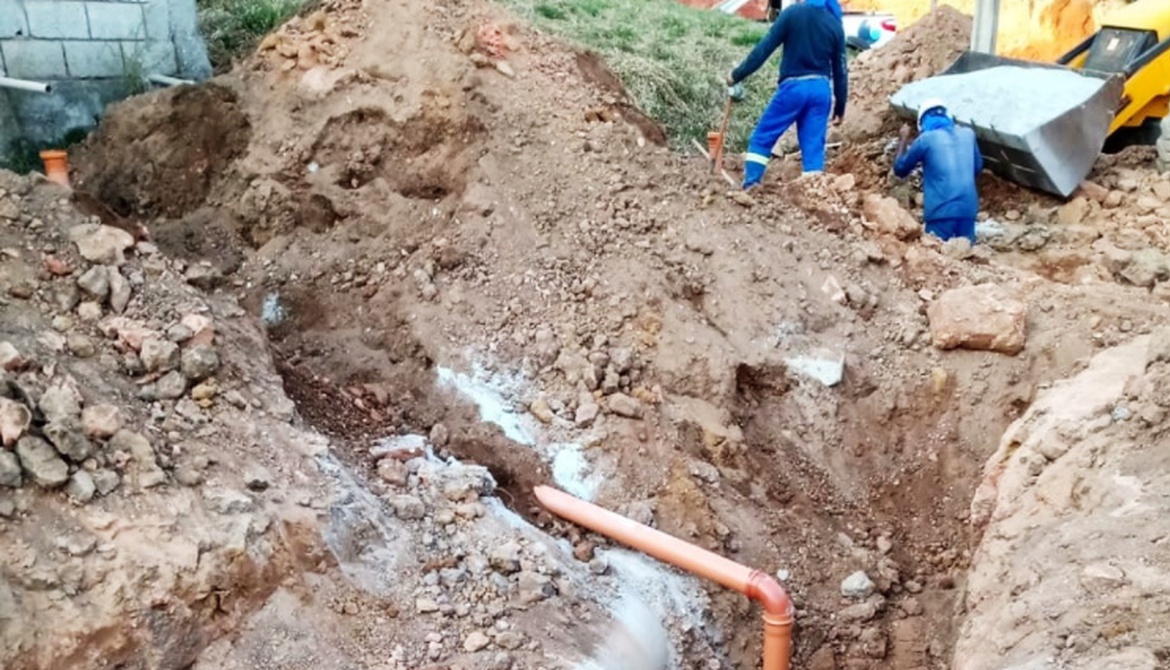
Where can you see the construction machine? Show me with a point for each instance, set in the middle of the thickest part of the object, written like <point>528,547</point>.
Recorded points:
<point>1046,141</point>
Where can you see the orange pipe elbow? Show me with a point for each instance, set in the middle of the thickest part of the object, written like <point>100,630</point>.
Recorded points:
<point>56,166</point>
<point>778,609</point>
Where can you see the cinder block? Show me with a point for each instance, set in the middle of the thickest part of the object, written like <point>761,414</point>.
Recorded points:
<point>116,21</point>
<point>157,58</point>
<point>34,59</point>
<point>158,19</point>
<point>90,60</point>
<point>12,20</point>
<point>57,20</point>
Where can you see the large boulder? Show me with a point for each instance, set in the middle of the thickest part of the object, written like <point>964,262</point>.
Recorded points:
<point>985,317</point>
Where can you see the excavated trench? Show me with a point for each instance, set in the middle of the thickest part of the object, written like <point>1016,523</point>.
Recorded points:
<point>873,475</point>
<point>875,479</point>
<point>867,476</point>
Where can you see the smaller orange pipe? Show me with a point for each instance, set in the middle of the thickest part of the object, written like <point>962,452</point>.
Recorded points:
<point>56,166</point>
<point>778,611</point>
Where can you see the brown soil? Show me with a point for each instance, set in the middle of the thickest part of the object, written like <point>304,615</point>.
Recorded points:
<point>162,176</point>
<point>417,216</point>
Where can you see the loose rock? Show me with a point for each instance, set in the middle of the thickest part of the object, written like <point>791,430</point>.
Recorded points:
<point>59,403</point>
<point>80,346</point>
<point>105,481</point>
<point>69,439</point>
<point>119,291</point>
<point>159,355</point>
<point>81,487</point>
<point>149,474</point>
<point>41,461</point>
<point>540,409</point>
<point>506,558</point>
<point>623,405</point>
<point>586,413</point>
<point>10,358</point>
<point>858,586</point>
<point>10,474</point>
<point>171,386</point>
<point>199,362</point>
<point>393,471</point>
<point>15,418</point>
<point>104,245</point>
<point>887,217</point>
<point>408,508</point>
<point>985,317</point>
<point>534,587</point>
<point>95,282</point>
<point>476,641</point>
<point>101,421</point>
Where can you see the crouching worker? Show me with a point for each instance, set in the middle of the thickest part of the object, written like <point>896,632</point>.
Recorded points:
<point>813,42</point>
<point>951,162</point>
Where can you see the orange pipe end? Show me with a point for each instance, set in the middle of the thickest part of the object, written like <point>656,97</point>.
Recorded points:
<point>56,166</point>
<point>714,143</point>
<point>779,613</point>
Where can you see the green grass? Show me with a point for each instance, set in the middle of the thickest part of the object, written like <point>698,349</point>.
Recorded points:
<point>233,28</point>
<point>671,58</point>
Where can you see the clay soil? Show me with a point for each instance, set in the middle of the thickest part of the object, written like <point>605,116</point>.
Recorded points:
<point>403,195</point>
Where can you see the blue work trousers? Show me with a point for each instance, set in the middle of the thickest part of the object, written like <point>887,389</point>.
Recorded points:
<point>807,101</point>
<point>947,229</point>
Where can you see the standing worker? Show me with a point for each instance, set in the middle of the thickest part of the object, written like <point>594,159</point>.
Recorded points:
<point>813,39</point>
<point>950,161</point>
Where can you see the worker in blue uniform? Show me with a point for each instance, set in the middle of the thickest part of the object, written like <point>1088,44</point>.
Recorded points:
<point>951,162</point>
<point>813,41</point>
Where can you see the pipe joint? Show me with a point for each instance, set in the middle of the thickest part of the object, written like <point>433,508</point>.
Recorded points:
<point>778,610</point>
<point>768,592</point>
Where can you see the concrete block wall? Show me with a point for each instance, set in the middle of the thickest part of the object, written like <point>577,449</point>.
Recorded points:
<point>93,52</point>
<point>92,39</point>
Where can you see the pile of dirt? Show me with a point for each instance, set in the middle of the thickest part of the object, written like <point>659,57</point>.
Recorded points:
<point>168,178</point>
<point>922,50</point>
<point>468,255</point>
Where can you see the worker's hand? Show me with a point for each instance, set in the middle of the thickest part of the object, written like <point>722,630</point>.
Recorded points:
<point>904,133</point>
<point>837,119</point>
<point>735,92</point>
<point>730,78</point>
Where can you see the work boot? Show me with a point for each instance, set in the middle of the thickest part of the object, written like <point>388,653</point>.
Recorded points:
<point>753,174</point>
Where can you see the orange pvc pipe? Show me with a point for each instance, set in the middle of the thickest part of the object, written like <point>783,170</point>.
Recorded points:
<point>779,613</point>
<point>56,166</point>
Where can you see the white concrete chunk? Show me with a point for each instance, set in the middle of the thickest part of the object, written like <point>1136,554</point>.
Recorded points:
<point>94,59</point>
<point>116,21</point>
<point>34,59</point>
<point>57,20</point>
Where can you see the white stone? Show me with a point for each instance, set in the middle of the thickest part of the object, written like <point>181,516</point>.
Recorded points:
<point>857,585</point>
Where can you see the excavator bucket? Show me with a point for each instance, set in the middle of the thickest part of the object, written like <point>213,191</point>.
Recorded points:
<point>1038,124</point>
